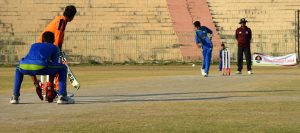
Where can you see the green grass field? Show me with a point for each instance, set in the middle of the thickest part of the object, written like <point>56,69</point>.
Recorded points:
<point>155,99</point>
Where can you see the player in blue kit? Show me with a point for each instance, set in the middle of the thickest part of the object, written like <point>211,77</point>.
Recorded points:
<point>204,41</point>
<point>220,56</point>
<point>42,59</point>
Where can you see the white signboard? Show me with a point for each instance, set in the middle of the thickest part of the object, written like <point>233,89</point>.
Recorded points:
<point>266,60</point>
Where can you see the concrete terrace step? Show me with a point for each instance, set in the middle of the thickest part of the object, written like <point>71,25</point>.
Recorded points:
<point>272,22</point>
<point>136,17</point>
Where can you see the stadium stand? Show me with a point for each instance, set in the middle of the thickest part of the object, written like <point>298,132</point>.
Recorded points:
<point>106,30</point>
<point>272,23</point>
<point>146,30</point>
<point>184,13</point>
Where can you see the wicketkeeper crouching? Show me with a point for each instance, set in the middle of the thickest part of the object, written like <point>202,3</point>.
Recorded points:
<point>42,59</point>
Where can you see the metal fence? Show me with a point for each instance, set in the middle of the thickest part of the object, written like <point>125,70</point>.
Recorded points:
<point>138,47</point>
<point>275,43</point>
<point>102,47</point>
<point>297,33</point>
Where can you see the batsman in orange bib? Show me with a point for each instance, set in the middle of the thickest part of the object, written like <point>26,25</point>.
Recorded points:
<point>56,26</point>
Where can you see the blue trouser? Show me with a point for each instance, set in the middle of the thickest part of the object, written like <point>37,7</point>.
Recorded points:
<point>206,53</point>
<point>52,69</point>
<point>220,65</point>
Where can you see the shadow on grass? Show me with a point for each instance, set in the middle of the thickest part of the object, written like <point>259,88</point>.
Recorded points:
<point>95,99</point>
<point>25,103</point>
<point>156,97</point>
<point>187,93</point>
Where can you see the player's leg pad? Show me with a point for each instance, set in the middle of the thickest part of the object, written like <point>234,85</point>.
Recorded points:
<point>39,90</point>
<point>50,93</point>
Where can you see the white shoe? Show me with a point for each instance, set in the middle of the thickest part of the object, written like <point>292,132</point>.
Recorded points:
<point>14,100</point>
<point>70,94</point>
<point>203,72</point>
<point>250,72</point>
<point>238,72</point>
<point>65,100</point>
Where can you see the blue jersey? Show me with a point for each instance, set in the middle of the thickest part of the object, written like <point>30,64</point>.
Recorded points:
<point>41,54</point>
<point>201,37</point>
<point>207,30</point>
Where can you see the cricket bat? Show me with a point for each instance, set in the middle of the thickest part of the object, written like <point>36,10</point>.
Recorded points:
<point>70,74</point>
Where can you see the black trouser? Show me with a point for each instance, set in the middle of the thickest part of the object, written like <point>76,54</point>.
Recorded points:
<point>247,52</point>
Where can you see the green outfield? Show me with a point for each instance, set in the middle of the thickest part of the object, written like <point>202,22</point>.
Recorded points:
<point>172,98</point>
